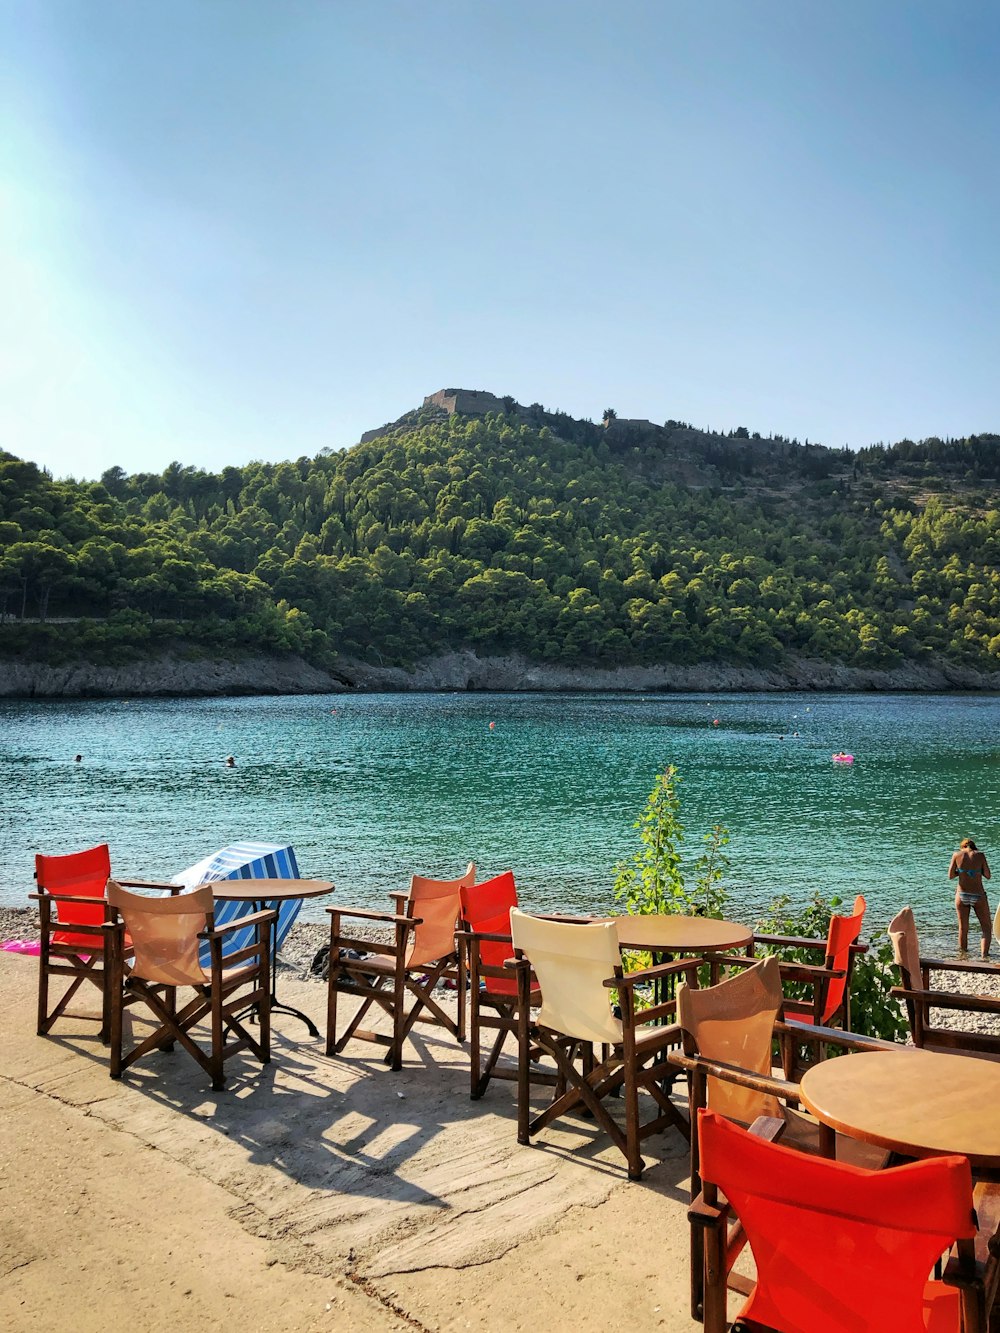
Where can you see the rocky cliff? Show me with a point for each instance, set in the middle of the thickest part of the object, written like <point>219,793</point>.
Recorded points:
<point>171,674</point>
<point>167,674</point>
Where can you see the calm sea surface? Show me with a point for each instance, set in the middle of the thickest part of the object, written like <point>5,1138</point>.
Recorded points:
<point>370,788</point>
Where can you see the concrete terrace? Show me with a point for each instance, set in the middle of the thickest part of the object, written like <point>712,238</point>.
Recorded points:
<point>313,1194</point>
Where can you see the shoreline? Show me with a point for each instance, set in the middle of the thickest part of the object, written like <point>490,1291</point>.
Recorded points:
<point>171,674</point>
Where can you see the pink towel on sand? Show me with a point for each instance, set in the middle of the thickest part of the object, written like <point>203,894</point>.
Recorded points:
<point>21,946</point>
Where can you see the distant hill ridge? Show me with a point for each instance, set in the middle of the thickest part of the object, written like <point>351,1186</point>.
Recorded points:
<point>555,549</point>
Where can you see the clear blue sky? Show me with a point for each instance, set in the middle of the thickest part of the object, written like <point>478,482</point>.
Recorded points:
<point>236,229</point>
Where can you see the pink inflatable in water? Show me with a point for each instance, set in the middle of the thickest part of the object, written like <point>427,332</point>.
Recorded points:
<point>843,758</point>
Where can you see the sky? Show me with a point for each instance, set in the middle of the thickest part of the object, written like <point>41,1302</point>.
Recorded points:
<point>253,229</point>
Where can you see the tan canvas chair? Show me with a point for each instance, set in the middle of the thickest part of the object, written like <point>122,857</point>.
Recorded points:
<point>916,992</point>
<point>576,967</point>
<point>165,934</point>
<point>423,954</point>
<point>729,1036</point>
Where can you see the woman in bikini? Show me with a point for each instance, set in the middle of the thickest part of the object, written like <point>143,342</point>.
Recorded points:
<point>969,867</point>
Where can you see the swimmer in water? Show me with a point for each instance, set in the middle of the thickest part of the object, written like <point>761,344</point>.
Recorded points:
<point>970,867</point>
<point>230,761</point>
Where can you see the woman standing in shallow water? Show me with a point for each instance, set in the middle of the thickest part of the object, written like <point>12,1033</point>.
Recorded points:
<point>969,867</point>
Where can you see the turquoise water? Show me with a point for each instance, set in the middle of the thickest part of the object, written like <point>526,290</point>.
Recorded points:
<point>370,788</point>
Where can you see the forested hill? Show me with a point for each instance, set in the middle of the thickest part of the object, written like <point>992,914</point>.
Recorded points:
<point>520,531</point>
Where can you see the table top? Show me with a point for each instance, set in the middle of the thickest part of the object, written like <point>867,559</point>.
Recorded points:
<point>920,1103</point>
<point>680,934</point>
<point>268,890</point>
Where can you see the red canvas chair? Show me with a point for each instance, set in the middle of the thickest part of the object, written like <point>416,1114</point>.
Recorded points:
<point>486,939</point>
<point>73,912</point>
<point>829,1003</point>
<point>836,1247</point>
<point>423,954</point>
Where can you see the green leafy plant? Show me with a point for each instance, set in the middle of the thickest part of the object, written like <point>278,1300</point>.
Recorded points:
<point>874,1012</point>
<point>652,880</point>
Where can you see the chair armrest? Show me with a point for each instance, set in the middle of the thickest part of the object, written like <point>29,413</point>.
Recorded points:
<point>848,1041</point>
<point>482,936</point>
<point>767,1127</point>
<point>84,900</point>
<point>945,999</point>
<point>632,979</point>
<point>389,917</point>
<point>240,923</point>
<point>569,920</point>
<point>790,942</point>
<point>806,972</point>
<point>953,965</point>
<point>149,884</point>
<point>743,1078</point>
<point>702,1214</point>
<point>517,964</point>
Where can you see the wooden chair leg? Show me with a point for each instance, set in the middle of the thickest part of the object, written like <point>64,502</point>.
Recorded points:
<point>475,1055</point>
<point>218,1038</point>
<point>395,1057</point>
<point>523,1074</point>
<point>461,996</point>
<point>264,1008</point>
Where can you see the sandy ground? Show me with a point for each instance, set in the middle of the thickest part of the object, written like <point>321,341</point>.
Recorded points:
<point>313,1194</point>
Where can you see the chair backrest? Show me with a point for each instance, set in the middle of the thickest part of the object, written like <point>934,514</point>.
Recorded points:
<point>843,932</point>
<point>837,1247</point>
<point>572,963</point>
<point>906,948</point>
<point>438,903</point>
<point>164,933</point>
<point>734,1022</point>
<point>83,874</point>
<point>486,910</point>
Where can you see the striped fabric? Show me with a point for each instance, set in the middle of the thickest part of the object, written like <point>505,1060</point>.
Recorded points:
<point>245,860</point>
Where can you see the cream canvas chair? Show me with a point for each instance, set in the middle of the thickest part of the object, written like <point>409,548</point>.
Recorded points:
<point>423,953</point>
<point>916,992</point>
<point>165,935</point>
<point>576,967</point>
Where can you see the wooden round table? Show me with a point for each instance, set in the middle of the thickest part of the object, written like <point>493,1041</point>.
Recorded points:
<point>680,934</point>
<point>917,1103</point>
<point>263,893</point>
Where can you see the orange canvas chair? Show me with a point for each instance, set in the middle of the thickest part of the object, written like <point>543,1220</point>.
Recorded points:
<point>73,943</point>
<point>165,935</point>
<point>423,954</point>
<point>836,1247</point>
<point>915,991</point>
<point>577,966</point>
